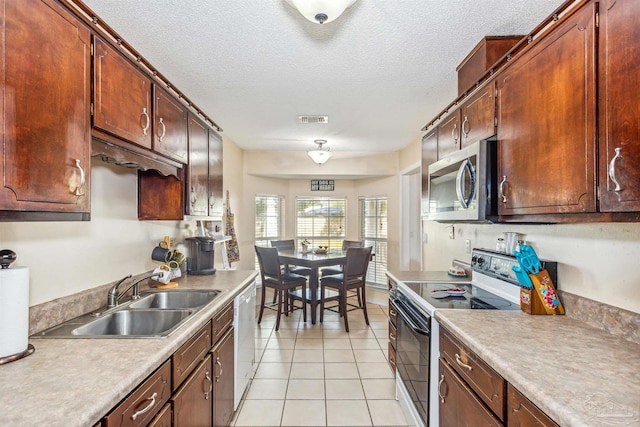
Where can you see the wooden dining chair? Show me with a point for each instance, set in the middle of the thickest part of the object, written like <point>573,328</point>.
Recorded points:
<point>289,245</point>
<point>353,277</point>
<point>329,271</point>
<point>281,283</point>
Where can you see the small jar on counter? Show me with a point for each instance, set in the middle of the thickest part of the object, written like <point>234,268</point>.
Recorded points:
<point>500,245</point>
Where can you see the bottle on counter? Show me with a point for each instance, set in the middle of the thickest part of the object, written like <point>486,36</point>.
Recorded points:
<point>500,245</point>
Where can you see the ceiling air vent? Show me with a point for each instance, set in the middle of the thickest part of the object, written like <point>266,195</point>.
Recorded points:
<point>313,119</point>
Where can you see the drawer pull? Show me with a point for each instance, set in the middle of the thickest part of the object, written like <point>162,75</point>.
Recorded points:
<point>146,408</point>
<point>440,383</point>
<point>393,337</point>
<point>219,364</point>
<point>461,363</point>
<point>207,377</point>
<point>393,313</point>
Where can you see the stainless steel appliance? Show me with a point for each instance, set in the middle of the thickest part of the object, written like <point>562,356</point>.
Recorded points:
<point>200,255</point>
<point>462,186</point>
<point>492,286</point>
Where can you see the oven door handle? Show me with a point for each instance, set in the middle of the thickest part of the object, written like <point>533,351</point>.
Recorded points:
<point>405,313</point>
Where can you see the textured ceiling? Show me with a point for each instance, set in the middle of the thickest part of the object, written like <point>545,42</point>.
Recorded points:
<point>380,71</point>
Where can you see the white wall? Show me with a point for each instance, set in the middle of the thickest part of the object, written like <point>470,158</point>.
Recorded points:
<point>68,257</point>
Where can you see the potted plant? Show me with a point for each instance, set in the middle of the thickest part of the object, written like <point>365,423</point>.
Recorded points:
<point>305,245</point>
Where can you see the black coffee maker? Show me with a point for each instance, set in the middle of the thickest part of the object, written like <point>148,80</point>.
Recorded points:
<point>200,255</point>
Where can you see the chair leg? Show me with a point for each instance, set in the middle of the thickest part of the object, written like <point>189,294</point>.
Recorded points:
<point>343,304</point>
<point>264,294</point>
<point>279,308</point>
<point>364,305</point>
<point>304,302</point>
<point>321,302</point>
<point>359,297</point>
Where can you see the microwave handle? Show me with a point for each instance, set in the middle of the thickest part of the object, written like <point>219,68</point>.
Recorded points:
<point>465,165</point>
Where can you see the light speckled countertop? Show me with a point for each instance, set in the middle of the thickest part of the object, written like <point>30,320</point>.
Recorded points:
<point>578,375</point>
<point>74,382</point>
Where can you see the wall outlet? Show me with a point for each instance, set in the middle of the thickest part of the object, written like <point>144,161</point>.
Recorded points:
<point>452,232</point>
<point>467,246</point>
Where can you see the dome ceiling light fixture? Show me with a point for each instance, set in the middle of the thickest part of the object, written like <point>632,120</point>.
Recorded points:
<point>321,11</point>
<point>320,156</point>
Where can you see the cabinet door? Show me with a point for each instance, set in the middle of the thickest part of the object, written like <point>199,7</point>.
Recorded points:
<point>619,107</point>
<point>429,156</point>
<point>459,406</point>
<point>170,126</point>
<point>478,115</point>
<point>223,388</point>
<point>449,135</point>
<point>523,413</point>
<point>122,96</point>
<point>197,182</point>
<point>192,403</point>
<point>45,116</point>
<point>546,129</point>
<point>215,174</point>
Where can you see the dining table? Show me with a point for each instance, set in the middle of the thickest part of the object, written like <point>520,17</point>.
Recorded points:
<point>314,261</point>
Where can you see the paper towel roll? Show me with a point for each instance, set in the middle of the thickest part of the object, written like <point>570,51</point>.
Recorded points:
<point>14,310</point>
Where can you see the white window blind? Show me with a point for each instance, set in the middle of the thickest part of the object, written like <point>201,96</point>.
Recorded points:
<point>373,230</point>
<point>321,221</point>
<point>268,220</point>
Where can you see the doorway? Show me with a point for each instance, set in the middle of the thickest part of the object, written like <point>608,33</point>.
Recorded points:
<point>410,231</point>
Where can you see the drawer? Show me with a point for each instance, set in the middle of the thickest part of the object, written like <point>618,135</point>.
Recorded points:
<point>524,413</point>
<point>187,357</point>
<point>393,315</point>
<point>487,383</point>
<point>392,358</point>
<point>392,335</point>
<point>222,321</point>
<point>163,419</point>
<point>145,402</point>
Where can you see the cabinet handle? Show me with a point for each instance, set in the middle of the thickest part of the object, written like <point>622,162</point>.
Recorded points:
<point>504,180</point>
<point>145,128</point>
<point>612,169</point>
<point>465,132</point>
<point>194,197</point>
<point>454,134</point>
<point>80,187</point>
<point>440,383</point>
<point>164,130</point>
<point>207,377</point>
<point>146,408</point>
<point>461,363</point>
<point>219,364</point>
<point>393,337</point>
<point>393,313</point>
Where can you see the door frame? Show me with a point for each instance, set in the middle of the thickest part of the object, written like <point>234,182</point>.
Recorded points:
<point>410,218</point>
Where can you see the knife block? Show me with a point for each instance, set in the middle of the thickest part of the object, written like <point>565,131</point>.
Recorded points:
<point>542,298</point>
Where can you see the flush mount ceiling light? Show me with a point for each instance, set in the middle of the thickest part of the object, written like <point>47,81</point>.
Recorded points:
<point>320,156</point>
<point>321,11</point>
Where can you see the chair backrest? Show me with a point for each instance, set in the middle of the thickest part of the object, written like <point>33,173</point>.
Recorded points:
<point>352,244</point>
<point>357,262</point>
<point>268,260</point>
<point>284,245</point>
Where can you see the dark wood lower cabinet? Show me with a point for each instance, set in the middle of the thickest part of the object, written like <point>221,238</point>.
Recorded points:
<point>523,413</point>
<point>223,388</point>
<point>164,417</point>
<point>459,406</point>
<point>192,403</point>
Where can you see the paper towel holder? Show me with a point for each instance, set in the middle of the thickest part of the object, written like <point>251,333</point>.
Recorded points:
<point>7,256</point>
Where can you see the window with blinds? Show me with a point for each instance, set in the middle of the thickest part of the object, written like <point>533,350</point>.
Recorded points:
<point>373,230</point>
<point>321,221</point>
<point>268,220</point>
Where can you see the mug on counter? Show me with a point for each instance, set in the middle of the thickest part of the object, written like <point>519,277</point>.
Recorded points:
<point>161,254</point>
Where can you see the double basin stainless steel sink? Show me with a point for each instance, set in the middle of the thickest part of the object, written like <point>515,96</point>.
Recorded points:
<point>154,315</point>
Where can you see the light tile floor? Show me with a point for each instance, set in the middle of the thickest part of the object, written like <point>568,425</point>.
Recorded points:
<point>319,375</point>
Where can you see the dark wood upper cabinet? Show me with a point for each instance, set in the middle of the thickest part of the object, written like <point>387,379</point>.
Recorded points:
<point>478,116</point>
<point>170,126</point>
<point>122,96</point>
<point>197,180</point>
<point>448,134</point>
<point>216,202</point>
<point>547,118</point>
<point>45,118</point>
<point>619,64</point>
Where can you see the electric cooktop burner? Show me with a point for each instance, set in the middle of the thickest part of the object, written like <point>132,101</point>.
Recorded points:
<point>459,296</point>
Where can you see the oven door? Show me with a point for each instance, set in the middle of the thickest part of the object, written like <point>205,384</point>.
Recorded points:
<point>412,352</point>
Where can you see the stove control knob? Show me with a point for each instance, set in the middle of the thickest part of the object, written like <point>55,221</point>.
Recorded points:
<point>480,261</point>
<point>474,259</point>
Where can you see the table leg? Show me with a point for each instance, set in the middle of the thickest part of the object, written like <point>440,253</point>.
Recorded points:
<point>313,289</point>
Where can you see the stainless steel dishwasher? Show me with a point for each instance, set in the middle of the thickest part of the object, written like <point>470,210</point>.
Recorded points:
<point>244,323</point>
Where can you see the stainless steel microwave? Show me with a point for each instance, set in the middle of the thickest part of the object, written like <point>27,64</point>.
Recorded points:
<point>462,186</point>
